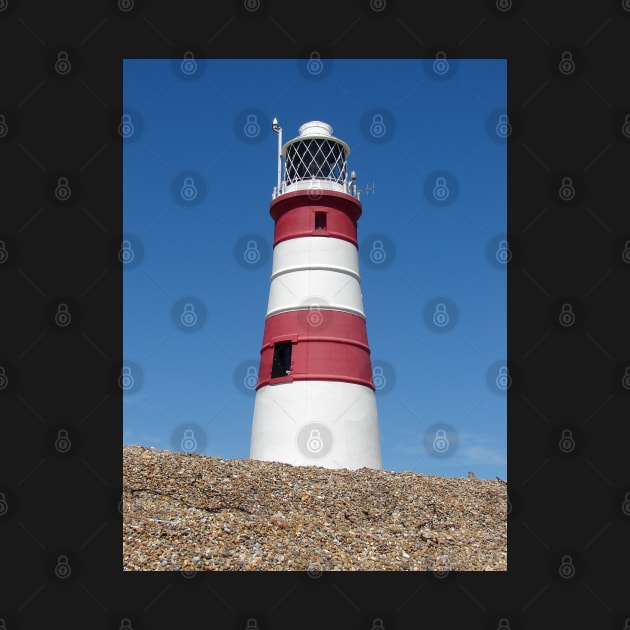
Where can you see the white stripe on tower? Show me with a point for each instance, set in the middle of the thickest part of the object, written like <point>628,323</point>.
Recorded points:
<point>309,267</point>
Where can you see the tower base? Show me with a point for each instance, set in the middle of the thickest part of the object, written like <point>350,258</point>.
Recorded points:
<point>316,423</point>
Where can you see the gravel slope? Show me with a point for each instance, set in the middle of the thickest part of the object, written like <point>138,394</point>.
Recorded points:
<point>188,512</point>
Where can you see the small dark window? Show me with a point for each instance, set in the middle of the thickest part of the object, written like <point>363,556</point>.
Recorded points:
<point>320,220</point>
<point>281,365</point>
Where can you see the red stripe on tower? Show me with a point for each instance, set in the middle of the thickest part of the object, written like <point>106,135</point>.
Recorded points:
<point>327,213</point>
<point>325,345</point>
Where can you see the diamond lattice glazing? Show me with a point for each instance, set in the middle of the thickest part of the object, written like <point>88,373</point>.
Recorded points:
<point>315,159</point>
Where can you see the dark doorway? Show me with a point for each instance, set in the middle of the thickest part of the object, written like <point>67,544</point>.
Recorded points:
<point>281,365</point>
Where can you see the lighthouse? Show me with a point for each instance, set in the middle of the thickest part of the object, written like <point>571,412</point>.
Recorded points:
<point>315,401</point>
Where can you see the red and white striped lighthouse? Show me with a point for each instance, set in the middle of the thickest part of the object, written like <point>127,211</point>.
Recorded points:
<point>315,402</point>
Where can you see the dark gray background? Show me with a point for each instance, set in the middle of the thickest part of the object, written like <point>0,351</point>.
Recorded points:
<point>569,500</point>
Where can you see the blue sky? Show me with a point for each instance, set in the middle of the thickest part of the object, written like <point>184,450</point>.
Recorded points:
<point>200,163</point>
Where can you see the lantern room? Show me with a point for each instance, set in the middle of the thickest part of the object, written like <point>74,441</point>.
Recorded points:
<point>315,159</point>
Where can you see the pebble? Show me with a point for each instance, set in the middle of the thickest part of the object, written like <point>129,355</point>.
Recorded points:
<point>178,508</point>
